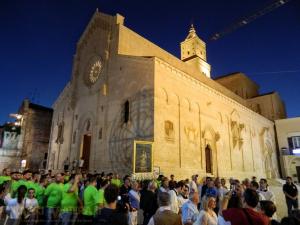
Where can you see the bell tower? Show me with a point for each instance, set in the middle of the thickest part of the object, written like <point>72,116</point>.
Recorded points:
<point>193,52</point>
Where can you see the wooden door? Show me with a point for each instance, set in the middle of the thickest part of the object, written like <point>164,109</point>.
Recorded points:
<point>86,148</point>
<point>208,158</point>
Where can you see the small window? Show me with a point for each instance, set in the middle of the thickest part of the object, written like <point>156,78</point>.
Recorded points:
<point>100,134</point>
<point>126,111</point>
<point>60,133</point>
<point>296,141</point>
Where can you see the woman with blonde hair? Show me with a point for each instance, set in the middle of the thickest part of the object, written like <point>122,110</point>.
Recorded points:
<point>207,216</point>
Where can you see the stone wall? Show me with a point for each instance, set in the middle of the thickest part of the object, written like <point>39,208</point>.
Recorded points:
<point>241,140</point>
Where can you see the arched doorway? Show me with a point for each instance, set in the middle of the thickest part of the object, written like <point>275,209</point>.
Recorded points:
<point>208,159</point>
<point>86,149</point>
<point>86,144</point>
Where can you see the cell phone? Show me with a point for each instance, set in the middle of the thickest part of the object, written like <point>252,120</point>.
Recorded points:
<point>232,187</point>
<point>119,198</point>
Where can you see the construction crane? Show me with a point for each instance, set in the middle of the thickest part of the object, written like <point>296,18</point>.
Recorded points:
<point>248,19</point>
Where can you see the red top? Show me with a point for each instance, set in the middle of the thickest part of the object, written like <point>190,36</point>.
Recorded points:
<point>238,217</point>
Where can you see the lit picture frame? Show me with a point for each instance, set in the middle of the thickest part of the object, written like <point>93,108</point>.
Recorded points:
<point>143,157</point>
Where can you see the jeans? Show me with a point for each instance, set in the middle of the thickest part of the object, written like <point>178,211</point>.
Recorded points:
<point>67,218</point>
<point>291,203</point>
<point>51,216</point>
<point>147,217</point>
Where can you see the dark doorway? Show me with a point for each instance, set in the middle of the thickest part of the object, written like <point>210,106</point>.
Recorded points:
<point>298,173</point>
<point>208,157</point>
<point>86,148</point>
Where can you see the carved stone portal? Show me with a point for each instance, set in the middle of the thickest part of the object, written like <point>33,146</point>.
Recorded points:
<point>191,133</point>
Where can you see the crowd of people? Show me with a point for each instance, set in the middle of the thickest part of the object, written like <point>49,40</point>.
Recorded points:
<point>32,198</point>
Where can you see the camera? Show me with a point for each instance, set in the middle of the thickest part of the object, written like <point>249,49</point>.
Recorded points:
<point>121,205</point>
<point>233,190</point>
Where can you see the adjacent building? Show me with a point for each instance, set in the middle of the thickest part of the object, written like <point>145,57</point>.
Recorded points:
<point>288,136</point>
<point>26,140</point>
<point>132,107</point>
<point>268,105</point>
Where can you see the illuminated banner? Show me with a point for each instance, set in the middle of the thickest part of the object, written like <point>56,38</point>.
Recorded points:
<point>142,157</point>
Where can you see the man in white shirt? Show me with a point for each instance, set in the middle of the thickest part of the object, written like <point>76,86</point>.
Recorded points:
<point>81,163</point>
<point>193,184</point>
<point>183,197</point>
<point>174,196</point>
<point>164,185</point>
<point>263,189</point>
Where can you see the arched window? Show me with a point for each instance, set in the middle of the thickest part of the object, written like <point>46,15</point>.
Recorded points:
<point>208,159</point>
<point>126,111</point>
<point>100,134</point>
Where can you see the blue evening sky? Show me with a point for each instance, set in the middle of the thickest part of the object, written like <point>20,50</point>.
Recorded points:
<point>38,40</point>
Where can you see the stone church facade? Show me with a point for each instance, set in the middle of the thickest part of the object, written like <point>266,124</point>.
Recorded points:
<point>126,90</point>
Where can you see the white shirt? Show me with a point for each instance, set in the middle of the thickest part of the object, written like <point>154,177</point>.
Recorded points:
<point>81,162</point>
<point>211,220</point>
<point>31,204</point>
<point>268,195</point>
<point>193,187</point>
<point>173,201</point>
<point>7,198</point>
<point>260,196</point>
<point>162,189</point>
<point>14,209</point>
<point>181,200</point>
<point>160,209</point>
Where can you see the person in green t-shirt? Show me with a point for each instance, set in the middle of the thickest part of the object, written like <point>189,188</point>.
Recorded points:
<point>24,180</point>
<point>91,200</point>
<point>54,194</point>
<point>116,180</point>
<point>5,175</point>
<point>103,185</point>
<point>16,177</point>
<point>70,201</point>
<point>40,189</point>
<point>67,176</point>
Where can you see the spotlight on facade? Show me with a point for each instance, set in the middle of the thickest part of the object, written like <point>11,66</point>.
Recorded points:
<point>23,163</point>
<point>15,115</point>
